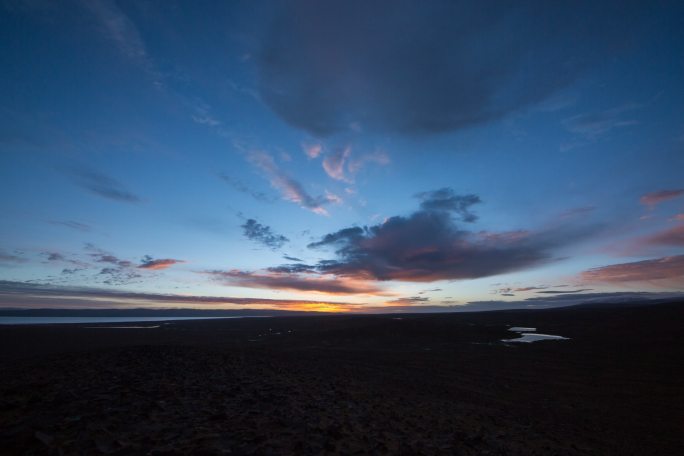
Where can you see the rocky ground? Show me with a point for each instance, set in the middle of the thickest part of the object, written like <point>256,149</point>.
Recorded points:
<point>411,384</point>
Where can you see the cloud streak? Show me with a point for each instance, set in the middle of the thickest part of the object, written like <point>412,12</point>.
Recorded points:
<point>669,268</point>
<point>295,282</point>
<point>599,123</point>
<point>654,198</point>
<point>104,186</point>
<point>290,189</point>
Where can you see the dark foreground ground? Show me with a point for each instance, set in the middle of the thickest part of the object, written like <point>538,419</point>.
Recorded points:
<point>422,384</point>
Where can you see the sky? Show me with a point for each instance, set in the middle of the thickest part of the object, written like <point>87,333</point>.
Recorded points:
<point>358,156</point>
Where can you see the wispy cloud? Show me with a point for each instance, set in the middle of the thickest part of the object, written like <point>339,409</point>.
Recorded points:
<point>599,123</point>
<point>241,187</point>
<point>334,164</point>
<point>378,157</point>
<point>6,257</point>
<point>670,237</point>
<point>118,27</point>
<point>654,198</point>
<point>104,186</point>
<point>650,244</point>
<point>203,116</point>
<point>72,224</point>
<point>263,234</point>
<point>670,268</point>
<point>577,212</point>
<point>290,189</point>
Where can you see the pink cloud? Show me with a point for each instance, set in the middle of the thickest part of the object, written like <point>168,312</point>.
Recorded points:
<point>312,150</point>
<point>672,236</point>
<point>333,164</point>
<point>665,268</point>
<point>290,189</point>
<point>655,198</point>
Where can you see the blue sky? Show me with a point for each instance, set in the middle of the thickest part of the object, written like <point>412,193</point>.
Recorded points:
<point>340,155</point>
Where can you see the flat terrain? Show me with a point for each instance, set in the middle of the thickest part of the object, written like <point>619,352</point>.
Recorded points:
<point>409,384</point>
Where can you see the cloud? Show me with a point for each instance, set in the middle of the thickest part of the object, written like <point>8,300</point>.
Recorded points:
<point>432,290</point>
<point>428,245</point>
<point>6,257</point>
<point>296,268</point>
<point>672,236</point>
<point>529,288</point>
<point>581,290</point>
<point>241,187</point>
<point>104,257</point>
<point>651,244</point>
<point>121,271</point>
<point>333,164</point>
<point>295,282</point>
<point>263,234</point>
<point>104,186</point>
<point>290,189</point>
<point>149,263</point>
<point>378,157</point>
<point>420,68</point>
<point>654,198</point>
<point>409,301</point>
<point>312,150</point>
<point>118,28</point>
<point>31,295</point>
<point>445,199</point>
<point>668,268</point>
<point>291,258</point>
<point>118,276</point>
<point>71,224</point>
<point>54,256</point>
<point>596,124</point>
<point>576,212</point>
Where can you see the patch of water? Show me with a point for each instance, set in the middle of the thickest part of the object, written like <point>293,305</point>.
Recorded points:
<point>529,335</point>
<point>534,337</point>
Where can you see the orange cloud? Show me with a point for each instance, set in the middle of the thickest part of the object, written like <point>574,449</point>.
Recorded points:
<point>156,265</point>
